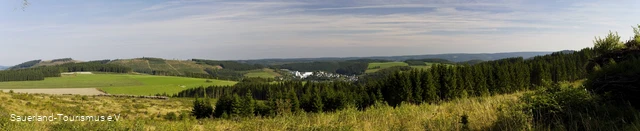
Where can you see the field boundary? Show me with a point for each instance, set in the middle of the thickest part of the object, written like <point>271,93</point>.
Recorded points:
<point>134,96</point>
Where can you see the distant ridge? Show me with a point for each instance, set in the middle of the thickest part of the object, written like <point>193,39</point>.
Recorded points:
<point>38,63</point>
<point>192,66</point>
<point>3,67</point>
<point>454,57</point>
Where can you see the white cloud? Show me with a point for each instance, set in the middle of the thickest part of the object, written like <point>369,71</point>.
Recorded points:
<point>455,26</point>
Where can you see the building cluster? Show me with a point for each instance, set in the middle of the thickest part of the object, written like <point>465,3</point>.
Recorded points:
<point>320,75</point>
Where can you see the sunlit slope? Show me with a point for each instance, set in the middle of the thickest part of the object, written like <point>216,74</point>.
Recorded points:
<point>118,83</point>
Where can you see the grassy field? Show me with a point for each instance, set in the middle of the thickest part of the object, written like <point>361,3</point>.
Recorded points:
<point>373,67</point>
<point>117,83</point>
<point>263,73</point>
<point>146,114</point>
<point>499,112</point>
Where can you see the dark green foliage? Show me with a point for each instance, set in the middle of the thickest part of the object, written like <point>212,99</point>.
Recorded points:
<point>230,65</point>
<point>93,66</point>
<point>21,75</point>
<point>397,85</point>
<point>63,60</point>
<point>27,64</point>
<point>225,74</point>
<point>382,73</point>
<point>171,116</point>
<point>464,120</point>
<point>153,60</point>
<point>352,68</point>
<point>105,61</point>
<point>196,75</point>
<point>223,106</point>
<point>618,82</point>
<point>202,108</point>
<point>421,62</point>
<point>470,62</point>
<point>236,106</point>
<point>570,108</point>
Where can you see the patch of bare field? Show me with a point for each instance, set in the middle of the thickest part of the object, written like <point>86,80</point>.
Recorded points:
<point>58,91</point>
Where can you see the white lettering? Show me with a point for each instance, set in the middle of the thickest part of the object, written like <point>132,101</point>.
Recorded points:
<point>117,117</point>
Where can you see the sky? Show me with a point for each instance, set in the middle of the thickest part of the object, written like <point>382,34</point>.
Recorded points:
<point>255,29</point>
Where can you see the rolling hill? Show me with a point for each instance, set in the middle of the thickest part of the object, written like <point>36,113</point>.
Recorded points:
<point>118,83</point>
<point>38,63</point>
<point>159,66</point>
<point>454,57</point>
<point>148,65</point>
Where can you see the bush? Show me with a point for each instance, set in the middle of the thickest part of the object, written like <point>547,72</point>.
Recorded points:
<point>569,108</point>
<point>171,116</point>
<point>618,82</point>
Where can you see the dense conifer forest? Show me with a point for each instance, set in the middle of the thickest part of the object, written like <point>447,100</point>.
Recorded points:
<point>39,73</point>
<point>440,83</point>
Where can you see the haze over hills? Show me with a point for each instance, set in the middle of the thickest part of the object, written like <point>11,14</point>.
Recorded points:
<point>3,67</point>
<point>454,57</point>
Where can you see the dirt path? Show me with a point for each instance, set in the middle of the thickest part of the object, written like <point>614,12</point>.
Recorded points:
<point>59,91</point>
<point>173,68</point>
<point>148,65</point>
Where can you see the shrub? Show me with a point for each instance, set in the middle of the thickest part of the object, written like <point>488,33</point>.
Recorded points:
<point>171,116</point>
<point>569,108</point>
<point>618,82</point>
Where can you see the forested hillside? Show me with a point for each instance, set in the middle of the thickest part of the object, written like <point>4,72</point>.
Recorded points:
<point>39,73</point>
<point>458,57</point>
<point>231,65</point>
<point>27,64</point>
<point>440,83</point>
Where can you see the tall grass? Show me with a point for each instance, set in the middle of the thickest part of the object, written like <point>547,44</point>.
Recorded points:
<point>145,114</point>
<point>500,112</point>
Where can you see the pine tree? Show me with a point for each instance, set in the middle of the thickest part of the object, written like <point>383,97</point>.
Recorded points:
<point>248,104</point>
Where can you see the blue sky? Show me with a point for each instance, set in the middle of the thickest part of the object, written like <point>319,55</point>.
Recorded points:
<point>253,29</point>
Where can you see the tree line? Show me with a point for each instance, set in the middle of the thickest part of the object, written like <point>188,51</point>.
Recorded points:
<point>231,65</point>
<point>440,83</point>
<point>39,73</point>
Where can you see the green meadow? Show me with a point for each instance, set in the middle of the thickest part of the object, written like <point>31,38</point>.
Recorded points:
<point>375,66</point>
<point>118,83</point>
<point>262,73</point>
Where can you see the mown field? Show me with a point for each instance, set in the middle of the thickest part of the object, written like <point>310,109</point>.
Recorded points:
<point>118,83</point>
